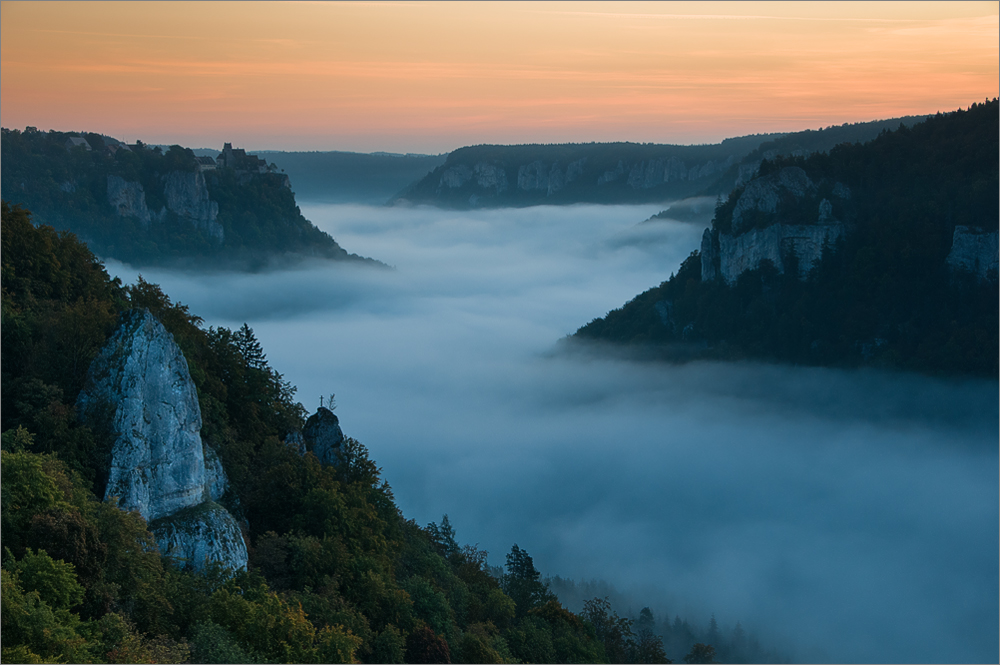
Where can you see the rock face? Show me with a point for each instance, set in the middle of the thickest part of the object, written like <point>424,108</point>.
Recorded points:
<point>775,243</point>
<point>764,194</point>
<point>728,255</point>
<point>202,534</point>
<point>187,195</point>
<point>974,251</point>
<point>128,199</point>
<point>139,389</point>
<point>142,378</point>
<point>216,480</point>
<point>323,435</point>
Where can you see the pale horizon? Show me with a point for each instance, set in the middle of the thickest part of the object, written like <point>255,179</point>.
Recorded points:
<point>431,77</point>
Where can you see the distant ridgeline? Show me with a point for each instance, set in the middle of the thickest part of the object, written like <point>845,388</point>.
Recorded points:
<point>145,205</point>
<point>491,176</point>
<point>879,254</point>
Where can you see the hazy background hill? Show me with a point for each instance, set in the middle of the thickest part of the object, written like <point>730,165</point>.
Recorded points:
<point>491,176</point>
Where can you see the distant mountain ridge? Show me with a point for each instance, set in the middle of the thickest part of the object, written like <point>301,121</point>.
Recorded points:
<point>492,176</point>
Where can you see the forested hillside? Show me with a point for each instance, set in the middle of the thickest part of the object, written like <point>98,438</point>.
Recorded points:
<point>910,281</point>
<point>147,205</point>
<point>336,573</point>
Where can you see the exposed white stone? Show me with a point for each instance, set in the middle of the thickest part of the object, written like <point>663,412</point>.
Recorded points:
<point>201,535</point>
<point>456,176</point>
<point>140,387</point>
<point>765,193</point>
<point>128,199</point>
<point>974,251</point>
<point>738,254</point>
<point>140,390</point>
<point>187,195</point>
<point>491,176</point>
<point>533,176</point>
<point>216,480</point>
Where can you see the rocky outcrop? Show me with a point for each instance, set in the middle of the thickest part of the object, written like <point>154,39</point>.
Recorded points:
<point>186,195</point>
<point>139,390</point>
<point>974,251</point>
<point>776,243</point>
<point>455,176</point>
<point>763,195</point>
<point>140,387</point>
<point>548,177</point>
<point>200,536</point>
<point>323,435</point>
<point>128,199</point>
<point>761,231</point>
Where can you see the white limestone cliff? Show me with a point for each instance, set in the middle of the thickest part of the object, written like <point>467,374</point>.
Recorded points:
<point>128,199</point>
<point>139,390</point>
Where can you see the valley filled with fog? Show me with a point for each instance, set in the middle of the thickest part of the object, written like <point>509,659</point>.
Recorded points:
<point>842,515</point>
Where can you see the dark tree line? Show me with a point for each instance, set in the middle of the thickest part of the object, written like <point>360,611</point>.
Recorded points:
<point>883,296</point>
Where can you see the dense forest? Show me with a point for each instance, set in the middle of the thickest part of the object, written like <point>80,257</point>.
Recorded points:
<point>336,573</point>
<point>157,217</point>
<point>883,295</point>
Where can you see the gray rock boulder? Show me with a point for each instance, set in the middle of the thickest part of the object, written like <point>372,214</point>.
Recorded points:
<point>201,535</point>
<point>140,389</point>
<point>323,435</point>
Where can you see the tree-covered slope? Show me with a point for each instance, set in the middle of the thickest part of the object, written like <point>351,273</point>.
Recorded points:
<point>336,572</point>
<point>889,293</point>
<point>146,206</point>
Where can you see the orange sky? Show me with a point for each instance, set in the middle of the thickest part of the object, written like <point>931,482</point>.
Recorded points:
<point>430,77</point>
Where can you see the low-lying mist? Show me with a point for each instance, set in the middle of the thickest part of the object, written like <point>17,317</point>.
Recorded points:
<point>842,515</point>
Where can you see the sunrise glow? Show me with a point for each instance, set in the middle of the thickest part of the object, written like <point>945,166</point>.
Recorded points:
<point>430,77</point>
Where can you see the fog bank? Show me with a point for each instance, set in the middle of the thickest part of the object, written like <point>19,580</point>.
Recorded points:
<point>849,516</point>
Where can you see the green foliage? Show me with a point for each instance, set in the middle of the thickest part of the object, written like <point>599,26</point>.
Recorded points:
<point>338,574</point>
<point>55,581</point>
<point>701,653</point>
<point>521,582</point>
<point>34,631</point>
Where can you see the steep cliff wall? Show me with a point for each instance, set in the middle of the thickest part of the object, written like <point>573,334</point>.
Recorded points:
<point>139,390</point>
<point>140,387</point>
<point>762,228</point>
<point>974,251</point>
<point>187,195</point>
<point>128,199</point>
<point>776,243</point>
